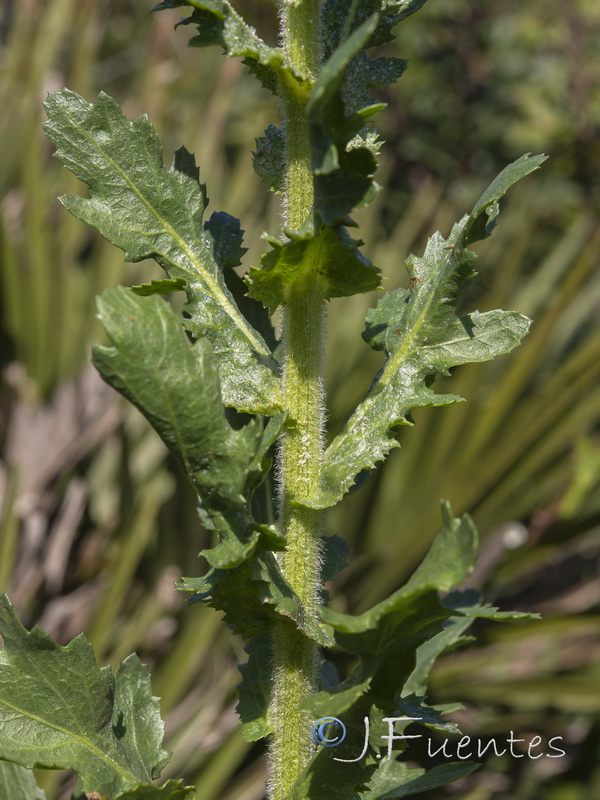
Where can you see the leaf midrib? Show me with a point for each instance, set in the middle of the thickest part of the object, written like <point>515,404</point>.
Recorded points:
<point>88,745</point>
<point>392,364</point>
<point>214,287</point>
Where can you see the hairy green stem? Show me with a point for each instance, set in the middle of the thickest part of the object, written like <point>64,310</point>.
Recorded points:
<point>295,657</point>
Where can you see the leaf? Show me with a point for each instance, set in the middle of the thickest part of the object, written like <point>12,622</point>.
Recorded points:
<point>351,771</point>
<point>326,777</point>
<point>343,173</point>
<point>268,159</point>
<point>339,699</point>
<point>396,641</point>
<point>275,590</point>
<point>138,711</point>
<point>107,732</point>
<point>233,592</point>
<point>412,705</point>
<point>227,238</point>
<point>325,108</point>
<point>185,162</point>
<point>255,689</point>
<point>386,637</point>
<point>347,189</point>
<point>469,603</point>
<point>366,73</point>
<point>329,255</point>
<point>388,640</point>
<point>448,562</point>
<point>159,287</point>
<point>341,17</point>
<point>252,595</point>
<point>428,652</point>
<point>451,557</point>
<point>421,336</point>
<point>394,779</point>
<point>373,777</point>
<point>484,215</point>
<point>218,23</point>
<point>176,387</point>
<point>335,554</point>
<point>18,783</point>
<point>340,20</point>
<point>150,212</point>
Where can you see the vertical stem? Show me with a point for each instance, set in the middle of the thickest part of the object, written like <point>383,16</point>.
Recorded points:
<point>302,42</point>
<point>296,657</point>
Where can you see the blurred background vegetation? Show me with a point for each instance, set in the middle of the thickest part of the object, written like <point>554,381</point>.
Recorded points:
<point>95,521</point>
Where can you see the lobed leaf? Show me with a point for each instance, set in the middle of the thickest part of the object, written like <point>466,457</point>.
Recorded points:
<point>105,728</point>
<point>388,635</point>
<point>150,212</point>
<point>227,239</point>
<point>484,215</point>
<point>366,73</point>
<point>340,20</point>
<point>326,777</point>
<point>339,699</point>
<point>373,777</point>
<point>328,258</point>
<point>421,336</point>
<point>251,595</point>
<point>343,172</point>
<point>219,23</point>
<point>403,617</point>
<point>396,643</point>
<point>137,717</point>
<point>341,17</point>
<point>176,387</point>
<point>469,603</point>
<point>233,592</point>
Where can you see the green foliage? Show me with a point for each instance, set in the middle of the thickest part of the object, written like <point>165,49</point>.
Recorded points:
<point>343,173</point>
<point>218,23</point>
<point>150,212</point>
<point>18,783</point>
<point>113,738</point>
<point>268,159</point>
<point>422,337</point>
<point>329,254</point>
<point>393,641</point>
<point>176,387</point>
<point>59,710</point>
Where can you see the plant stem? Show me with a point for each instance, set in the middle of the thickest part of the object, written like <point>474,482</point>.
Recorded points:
<point>295,656</point>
